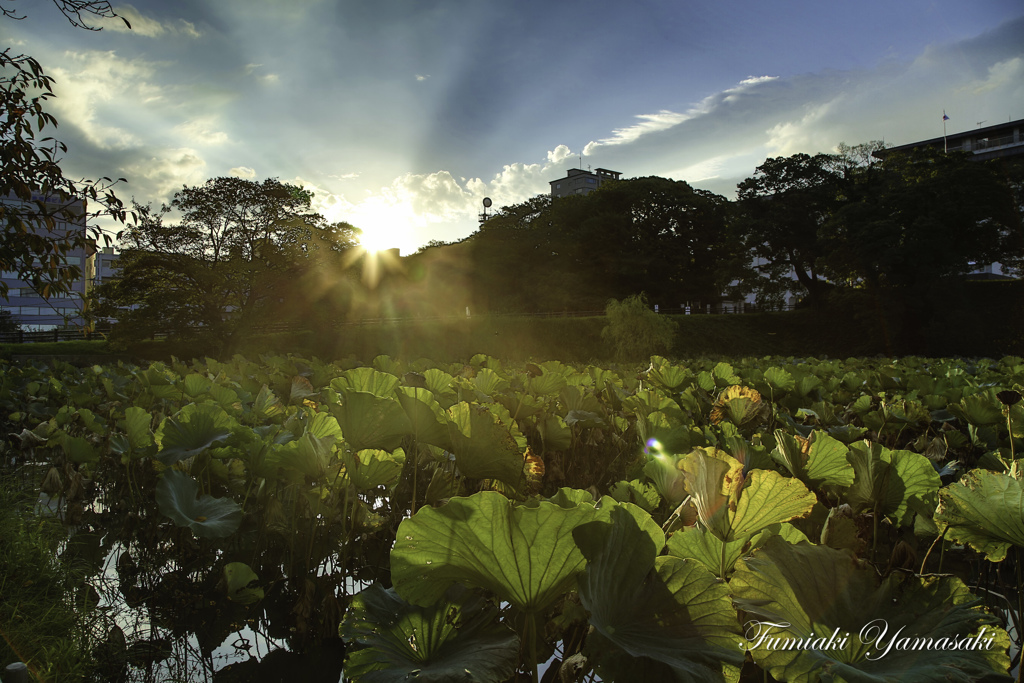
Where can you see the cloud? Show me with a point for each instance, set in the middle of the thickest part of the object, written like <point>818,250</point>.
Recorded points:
<point>421,78</point>
<point>201,131</point>
<point>665,119</point>
<point>90,87</point>
<point>270,78</point>
<point>163,171</point>
<point>243,172</point>
<point>145,26</point>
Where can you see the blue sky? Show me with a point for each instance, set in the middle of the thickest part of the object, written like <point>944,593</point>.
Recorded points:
<point>401,116</point>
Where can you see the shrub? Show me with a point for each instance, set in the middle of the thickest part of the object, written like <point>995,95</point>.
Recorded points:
<point>635,331</point>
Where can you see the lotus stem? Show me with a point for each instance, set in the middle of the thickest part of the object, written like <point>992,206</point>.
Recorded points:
<point>1020,613</point>
<point>532,629</point>
<point>938,539</point>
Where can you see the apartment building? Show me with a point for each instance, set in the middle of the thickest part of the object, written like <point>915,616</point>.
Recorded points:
<point>578,181</point>
<point>31,310</point>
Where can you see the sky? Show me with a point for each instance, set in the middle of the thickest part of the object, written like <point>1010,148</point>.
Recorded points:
<point>402,115</point>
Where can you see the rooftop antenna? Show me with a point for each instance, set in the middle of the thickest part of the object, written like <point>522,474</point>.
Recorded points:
<point>487,204</point>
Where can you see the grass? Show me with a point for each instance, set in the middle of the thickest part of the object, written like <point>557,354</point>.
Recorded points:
<point>40,622</point>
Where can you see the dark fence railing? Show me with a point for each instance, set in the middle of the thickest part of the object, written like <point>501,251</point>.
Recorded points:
<point>55,335</point>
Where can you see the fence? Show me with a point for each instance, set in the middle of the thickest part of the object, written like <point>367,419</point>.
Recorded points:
<point>54,335</point>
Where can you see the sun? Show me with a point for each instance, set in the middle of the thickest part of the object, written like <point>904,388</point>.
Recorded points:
<point>385,226</point>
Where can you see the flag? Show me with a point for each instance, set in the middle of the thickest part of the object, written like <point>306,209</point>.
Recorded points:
<point>944,117</point>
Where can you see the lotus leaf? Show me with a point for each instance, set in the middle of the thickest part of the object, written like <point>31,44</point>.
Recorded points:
<point>137,427</point>
<point>372,468</point>
<point>984,510</point>
<point>428,421</point>
<point>547,384</point>
<point>979,410</point>
<point>371,421</point>
<point>380,384</point>
<point>885,481</point>
<point>450,641</point>
<point>664,608</point>
<point>237,577</point>
<point>740,405</point>
<point>821,461</point>
<point>732,506</point>
<point>696,543</point>
<point>77,449</point>
<point>849,618</point>
<point>208,517</point>
<point>780,382</point>
<point>195,428</point>
<point>484,447</point>
<point>524,555</point>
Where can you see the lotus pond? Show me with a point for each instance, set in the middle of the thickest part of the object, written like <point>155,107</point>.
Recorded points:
<point>763,519</point>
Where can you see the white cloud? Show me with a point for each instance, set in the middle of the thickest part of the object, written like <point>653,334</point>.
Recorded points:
<point>90,87</point>
<point>145,26</point>
<point>421,78</point>
<point>243,172</point>
<point>665,119</point>
<point>163,171</point>
<point>201,131</point>
<point>559,154</point>
<point>1003,75</point>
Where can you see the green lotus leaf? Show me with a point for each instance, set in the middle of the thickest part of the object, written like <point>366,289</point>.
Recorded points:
<point>696,543</point>
<point>380,384</point>
<point>824,464</point>
<point>208,517</point>
<point>732,506</point>
<point>369,469</point>
<point>443,485</point>
<point>428,421</point>
<point>484,447</point>
<point>554,433</point>
<point>78,449</point>
<point>195,385</point>
<point>370,421</point>
<point>979,410</point>
<point>450,641</point>
<point>137,423</point>
<point>636,492</point>
<point>664,608</point>
<point>439,383</point>
<point>670,377</point>
<point>237,577</point>
<point>885,481</point>
<point>847,618</point>
<point>546,384</point>
<point>488,382</point>
<point>309,454</point>
<point>780,381</point>
<point>524,555</point>
<point>191,431</point>
<point>984,510</point>
<point>266,405</point>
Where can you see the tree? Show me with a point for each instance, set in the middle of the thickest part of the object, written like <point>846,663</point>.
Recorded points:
<point>36,197</point>
<point>781,210</point>
<point>218,273</point>
<point>909,226</point>
<point>647,234</point>
<point>661,236</point>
